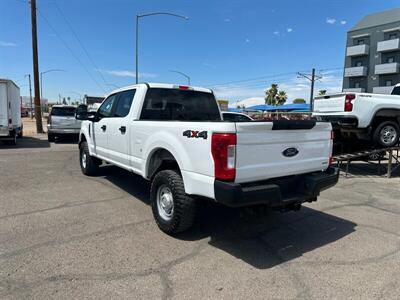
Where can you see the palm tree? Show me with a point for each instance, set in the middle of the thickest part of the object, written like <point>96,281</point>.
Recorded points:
<point>322,92</point>
<point>281,98</point>
<point>270,97</point>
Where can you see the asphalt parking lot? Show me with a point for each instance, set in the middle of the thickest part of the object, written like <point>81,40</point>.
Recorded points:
<point>64,235</point>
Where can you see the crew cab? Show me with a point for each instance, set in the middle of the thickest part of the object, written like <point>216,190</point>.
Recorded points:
<point>370,117</point>
<point>175,137</point>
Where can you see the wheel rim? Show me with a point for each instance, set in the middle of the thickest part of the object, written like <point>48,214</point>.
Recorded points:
<point>165,202</point>
<point>83,159</point>
<point>388,135</point>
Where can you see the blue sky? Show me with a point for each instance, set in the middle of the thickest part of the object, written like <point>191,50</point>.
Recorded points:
<point>223,41</point>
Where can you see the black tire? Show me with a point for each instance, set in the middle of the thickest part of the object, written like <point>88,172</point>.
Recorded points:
<point>89,164</point>
<point>21,133</point>
<point>386,134</point>
<point>11,142</point>
<point>184,206</point>
<point>51,138</point>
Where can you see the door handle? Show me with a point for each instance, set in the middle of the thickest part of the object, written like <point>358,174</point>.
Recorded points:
<point>104,127</point>
<point>122,129</point>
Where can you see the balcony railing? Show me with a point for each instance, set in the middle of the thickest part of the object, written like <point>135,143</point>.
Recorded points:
<point>383,89</point>
<point>354,90</point>
<point>389,45</point>
<point>355,71</point>
<point>388,68</point>
<point>357,50</point>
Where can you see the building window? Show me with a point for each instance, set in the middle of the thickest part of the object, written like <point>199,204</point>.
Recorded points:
<point>357,85</point>
<point>360,42</point>
<point>392,36</point>
<point>390,60</point>
<point>388,83</point>
<point>358,63</point>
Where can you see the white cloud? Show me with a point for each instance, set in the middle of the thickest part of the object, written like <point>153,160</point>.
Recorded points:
<point>7,44</point>
<point>289,30</point>
<point>330,21</point>
<point>277,33</point>
<point>343,22</point>
<point>294,87</point>
<point>127,73</point>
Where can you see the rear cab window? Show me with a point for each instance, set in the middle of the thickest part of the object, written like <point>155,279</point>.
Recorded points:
<point>63,111</point>
<point>162,104</point>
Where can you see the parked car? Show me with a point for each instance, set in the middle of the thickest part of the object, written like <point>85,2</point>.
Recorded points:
<point>62,122</point>
<point>10,112</point>
<point>175,137</point>
<point>365,116</point>
<point>235,117</point>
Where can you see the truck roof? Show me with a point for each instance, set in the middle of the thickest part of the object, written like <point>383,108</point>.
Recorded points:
<point>161,85</point>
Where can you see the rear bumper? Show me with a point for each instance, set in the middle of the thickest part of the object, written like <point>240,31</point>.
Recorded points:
<point>62,131</point>
<point>276,193</point>
<point>339,121</point>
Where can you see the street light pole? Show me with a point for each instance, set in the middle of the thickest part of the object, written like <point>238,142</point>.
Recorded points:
<point>137,34</point>
<point>183,74</point>
<point>41,78</point>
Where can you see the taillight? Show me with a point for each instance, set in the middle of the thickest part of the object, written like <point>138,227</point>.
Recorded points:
<point>330,163</point>
<point>348,104</point>
<point>183,87</point>
<point>223,149</point>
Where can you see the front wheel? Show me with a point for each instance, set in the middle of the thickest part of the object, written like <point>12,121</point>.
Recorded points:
<point>387,134</point>
<point>173,210</point>
<point>89,164</point>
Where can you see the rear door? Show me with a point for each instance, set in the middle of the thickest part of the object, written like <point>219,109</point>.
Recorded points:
<point>3,109</point>
<point>118,129</point>
<point>280,148</point>
<point>63,118</point>
<point>100,128</point>
<point>329,103</point>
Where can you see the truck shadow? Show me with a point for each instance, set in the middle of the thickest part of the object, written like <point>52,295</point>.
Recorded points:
<point>259,237</point>
<point>27,142</point>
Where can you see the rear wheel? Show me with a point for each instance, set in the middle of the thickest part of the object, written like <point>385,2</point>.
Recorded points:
<point>173,210</point>
<point>89,164</point>
<point>387,134</point>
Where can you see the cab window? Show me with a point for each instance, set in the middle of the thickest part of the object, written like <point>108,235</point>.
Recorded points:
<point>124,103</point>
<point>106,107</point>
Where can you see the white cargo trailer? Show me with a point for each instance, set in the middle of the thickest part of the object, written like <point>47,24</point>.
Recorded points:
<point>10,112</point>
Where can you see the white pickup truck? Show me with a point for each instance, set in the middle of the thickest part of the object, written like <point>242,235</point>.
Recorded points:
<point>371,117</point>
<point>174,136</point>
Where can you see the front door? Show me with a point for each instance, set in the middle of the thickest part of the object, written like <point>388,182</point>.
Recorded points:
<point>100,128</point>
<point>118,129</point>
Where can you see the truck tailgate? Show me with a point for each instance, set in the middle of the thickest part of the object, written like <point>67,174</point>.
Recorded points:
<point>329,103</point>
<point>265,150</point>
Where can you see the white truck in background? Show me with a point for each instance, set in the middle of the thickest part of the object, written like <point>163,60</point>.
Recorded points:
<point>175,137</point>
<point>10,112</point>
<point>371,117</point>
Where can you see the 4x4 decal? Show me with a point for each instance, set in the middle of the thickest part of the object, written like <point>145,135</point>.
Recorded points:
<point>195,134</point>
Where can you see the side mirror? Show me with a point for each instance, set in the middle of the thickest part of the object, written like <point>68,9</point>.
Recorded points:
<point>81,112</point>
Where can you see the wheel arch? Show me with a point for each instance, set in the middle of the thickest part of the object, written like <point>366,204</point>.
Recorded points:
<point>385,114</point>
<point>160,159</point>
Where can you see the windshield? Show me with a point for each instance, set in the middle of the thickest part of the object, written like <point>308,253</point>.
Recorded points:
<point>63,111</point>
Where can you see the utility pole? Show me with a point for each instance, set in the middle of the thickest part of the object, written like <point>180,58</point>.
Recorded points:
<point>38,112</point>
<point>312,78</point>
<point>30,94</point>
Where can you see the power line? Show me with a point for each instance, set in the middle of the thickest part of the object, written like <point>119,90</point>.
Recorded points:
<point>80,42</point>
<point>70,50</point>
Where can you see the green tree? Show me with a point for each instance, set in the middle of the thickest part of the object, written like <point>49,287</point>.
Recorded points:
<point>299,100</point>
<point>270,94</point>
<point>322,92</point>
<point>281,98</point>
